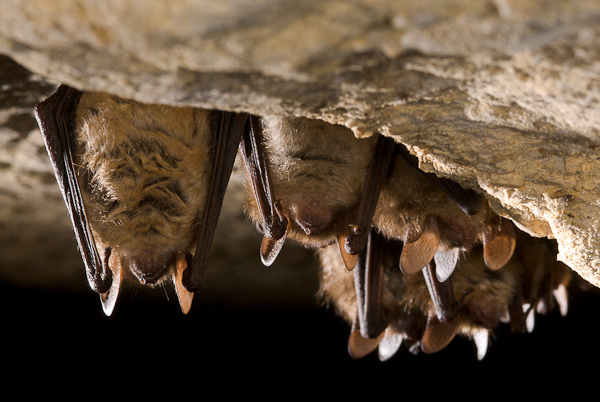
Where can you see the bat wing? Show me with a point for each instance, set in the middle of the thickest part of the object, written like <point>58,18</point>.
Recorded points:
<point>353,239</point>
<point>273,222</point>
<point>368,282</point>
<point>55,117</point>
<point>226,135</point>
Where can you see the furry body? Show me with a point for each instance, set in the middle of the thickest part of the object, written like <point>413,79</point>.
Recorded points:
<point>318,173</point>
<point>144,172</point>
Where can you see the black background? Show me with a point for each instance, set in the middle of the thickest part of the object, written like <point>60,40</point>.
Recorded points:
<point>64,338</point>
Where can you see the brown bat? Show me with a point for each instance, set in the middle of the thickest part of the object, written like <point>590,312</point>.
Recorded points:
<point>409,314</point>
<point>143,185</point>
<point>313,182</point>
<point>436,219</point>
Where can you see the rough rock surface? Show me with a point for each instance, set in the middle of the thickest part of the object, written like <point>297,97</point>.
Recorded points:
<point>502,96</point>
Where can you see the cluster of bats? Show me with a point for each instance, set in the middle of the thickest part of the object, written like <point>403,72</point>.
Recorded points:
<point>406,257</point>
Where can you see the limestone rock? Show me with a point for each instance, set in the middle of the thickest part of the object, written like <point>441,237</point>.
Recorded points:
<point>501,96</point>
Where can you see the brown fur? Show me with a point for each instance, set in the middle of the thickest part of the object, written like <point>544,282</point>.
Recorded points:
<point>144,176</point>
<point>318,172</point>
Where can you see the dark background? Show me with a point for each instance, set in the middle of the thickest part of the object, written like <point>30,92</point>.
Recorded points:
<point>51,336</point>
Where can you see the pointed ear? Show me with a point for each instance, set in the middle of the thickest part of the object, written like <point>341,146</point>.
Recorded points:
<point>418,254</point>
<point>274,223</point>
<point>56,119</point>
<point>438,334</point>
<point>358,345</point>
<point>498,249</point>
<point>226,135</point>
<point>382,161</point>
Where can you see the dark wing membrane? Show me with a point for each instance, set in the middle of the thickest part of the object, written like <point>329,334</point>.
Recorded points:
<point>355,240</point>
<point>274,224</point>
<point>368,282</point>
<point>55,117</point>
<point>227,131</point>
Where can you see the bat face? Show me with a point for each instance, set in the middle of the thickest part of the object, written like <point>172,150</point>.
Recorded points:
<point>141,186</point>
<point>317,175</point>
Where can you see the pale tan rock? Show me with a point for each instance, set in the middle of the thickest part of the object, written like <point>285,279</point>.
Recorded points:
<point>502,96</point>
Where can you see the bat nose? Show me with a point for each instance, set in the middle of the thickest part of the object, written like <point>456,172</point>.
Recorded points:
<point>149,268</point>
<point>312,217</point>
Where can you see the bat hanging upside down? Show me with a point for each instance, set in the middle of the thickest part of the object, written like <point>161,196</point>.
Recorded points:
<point>429,258</point>
<point>406,257</point>
<point>143,185</point>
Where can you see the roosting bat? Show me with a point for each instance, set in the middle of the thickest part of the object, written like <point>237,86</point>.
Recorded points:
<point>143,185</point>
<point>411,316</point>
<point>313,182</point>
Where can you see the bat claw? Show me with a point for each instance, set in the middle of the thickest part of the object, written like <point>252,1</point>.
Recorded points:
<point>184,296</point>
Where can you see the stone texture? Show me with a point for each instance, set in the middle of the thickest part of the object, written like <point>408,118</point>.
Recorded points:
<point>502,96</point>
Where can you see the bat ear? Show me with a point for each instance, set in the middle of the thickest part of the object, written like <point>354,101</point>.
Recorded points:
<point>389,345</point>
<point>55,117</point>
<point>270,248</point>
<point>438,334</point>
<point>108,299</point>
<point>358,345</point>
<point>498,249</point>
<point>445,262</point>
<point>185,297</point>
<point>419,253</point>
<point>350,259</point>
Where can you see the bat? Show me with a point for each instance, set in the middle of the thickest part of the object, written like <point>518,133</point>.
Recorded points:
<point>437,218</point>
<point>409,314</point>
<point>143,185</point>
<point>312,182</point>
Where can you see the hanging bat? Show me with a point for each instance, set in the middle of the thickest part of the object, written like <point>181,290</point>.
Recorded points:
<point>143,185</point>
<point>436,219</point>
<point>313,182</point>
<point>408,314</point>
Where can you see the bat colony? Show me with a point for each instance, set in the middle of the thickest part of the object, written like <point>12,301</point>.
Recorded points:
<point>406,257</point>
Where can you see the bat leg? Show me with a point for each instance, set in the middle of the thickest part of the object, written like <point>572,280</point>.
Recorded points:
<point>500,248</point>
<point>417,254</point>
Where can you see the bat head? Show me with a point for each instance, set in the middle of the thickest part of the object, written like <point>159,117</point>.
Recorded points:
<point>317,171</point>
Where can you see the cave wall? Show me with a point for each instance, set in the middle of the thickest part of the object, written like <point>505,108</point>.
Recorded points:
<point>501,96</point>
